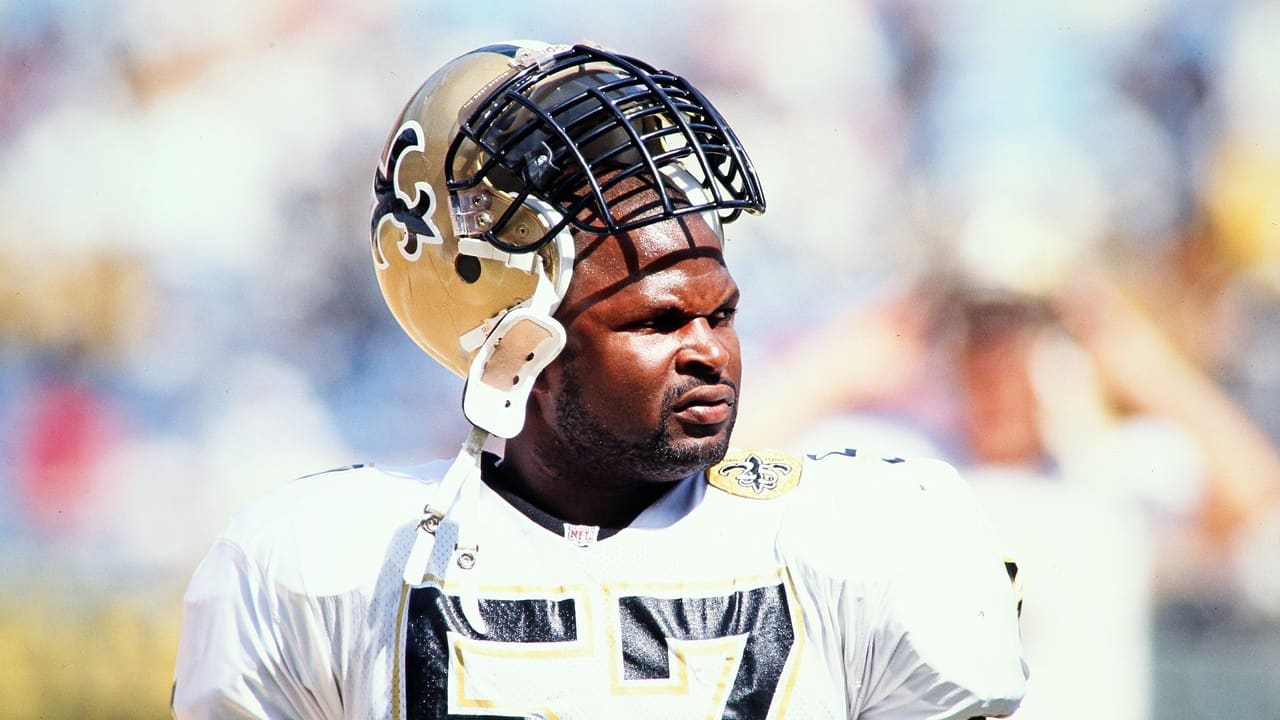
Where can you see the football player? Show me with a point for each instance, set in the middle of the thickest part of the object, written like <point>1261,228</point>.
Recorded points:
<point>548,224</point>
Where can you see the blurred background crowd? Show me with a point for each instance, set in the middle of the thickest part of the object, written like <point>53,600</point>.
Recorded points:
<point>1038,239</point>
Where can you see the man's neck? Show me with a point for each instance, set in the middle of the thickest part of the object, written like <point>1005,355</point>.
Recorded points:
<point>579,495</point>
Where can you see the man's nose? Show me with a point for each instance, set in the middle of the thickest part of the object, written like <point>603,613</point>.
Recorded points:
<point>704,351</point>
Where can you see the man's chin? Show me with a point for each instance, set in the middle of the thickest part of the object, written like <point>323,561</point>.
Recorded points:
<point>692,454</point>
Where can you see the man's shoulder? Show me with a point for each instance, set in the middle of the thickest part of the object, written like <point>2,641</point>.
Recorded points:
<point>862,512</point>
<point>842,497</point>
<point>355,492</point>
<point>321,532</point>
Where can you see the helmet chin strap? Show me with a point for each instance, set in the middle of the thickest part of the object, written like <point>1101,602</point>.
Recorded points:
<point>501,377</point>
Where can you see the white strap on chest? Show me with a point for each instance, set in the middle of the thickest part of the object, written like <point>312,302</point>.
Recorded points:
<point>438,520</point>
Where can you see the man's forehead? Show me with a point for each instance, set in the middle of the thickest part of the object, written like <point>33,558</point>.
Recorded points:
<point>609,264</point>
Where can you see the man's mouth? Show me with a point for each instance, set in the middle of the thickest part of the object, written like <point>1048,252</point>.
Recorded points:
<point>705,405</point>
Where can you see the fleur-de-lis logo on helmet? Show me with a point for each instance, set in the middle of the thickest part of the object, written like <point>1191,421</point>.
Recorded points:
<point>402,208</point>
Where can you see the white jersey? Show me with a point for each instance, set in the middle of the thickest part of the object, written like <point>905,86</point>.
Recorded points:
<point>766,587</point>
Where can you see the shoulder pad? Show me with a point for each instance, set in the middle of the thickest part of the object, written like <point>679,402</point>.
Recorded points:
<point>756,474</point>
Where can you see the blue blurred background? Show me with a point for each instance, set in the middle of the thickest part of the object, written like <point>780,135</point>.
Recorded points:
<point>1038,239</point>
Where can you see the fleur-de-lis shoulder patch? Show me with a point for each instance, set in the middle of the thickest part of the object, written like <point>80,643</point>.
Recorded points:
<point>756,474</point>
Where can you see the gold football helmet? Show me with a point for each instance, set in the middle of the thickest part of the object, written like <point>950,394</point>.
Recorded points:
<point>495,162</point>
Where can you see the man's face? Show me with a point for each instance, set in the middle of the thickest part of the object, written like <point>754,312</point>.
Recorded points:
<point>648,382</point>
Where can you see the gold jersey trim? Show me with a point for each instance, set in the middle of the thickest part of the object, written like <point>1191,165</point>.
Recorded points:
<point>756,474</point>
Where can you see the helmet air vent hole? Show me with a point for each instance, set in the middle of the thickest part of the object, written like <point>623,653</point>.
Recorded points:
<point>468,268</point>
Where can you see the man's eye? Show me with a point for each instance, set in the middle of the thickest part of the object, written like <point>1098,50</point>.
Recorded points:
<point>673,321</point>
<point>723,316</point>
<point>660,323</point>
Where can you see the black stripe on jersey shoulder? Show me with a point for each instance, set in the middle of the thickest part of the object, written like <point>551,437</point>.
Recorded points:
<point>344,468</point>
<point>846,452</point>
<point>852,452</point>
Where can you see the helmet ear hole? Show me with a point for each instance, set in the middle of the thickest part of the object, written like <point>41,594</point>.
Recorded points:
<point>467,267</point>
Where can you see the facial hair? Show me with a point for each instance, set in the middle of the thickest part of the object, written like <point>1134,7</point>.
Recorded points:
<point>658,457</point>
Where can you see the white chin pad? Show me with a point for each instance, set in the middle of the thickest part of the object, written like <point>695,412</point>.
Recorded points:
<point>502,374</point>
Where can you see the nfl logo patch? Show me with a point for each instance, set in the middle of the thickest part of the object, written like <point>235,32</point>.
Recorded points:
<point>581,535</point>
